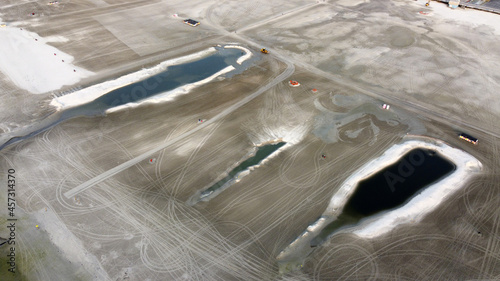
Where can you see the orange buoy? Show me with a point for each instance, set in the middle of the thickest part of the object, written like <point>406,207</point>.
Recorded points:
<point>314,90</point>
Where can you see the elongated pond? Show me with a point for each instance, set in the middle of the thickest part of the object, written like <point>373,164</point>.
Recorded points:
<point>173,77</point>
<point>262,153</point>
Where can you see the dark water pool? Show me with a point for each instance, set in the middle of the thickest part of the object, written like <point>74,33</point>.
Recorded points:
<point>390,188</point>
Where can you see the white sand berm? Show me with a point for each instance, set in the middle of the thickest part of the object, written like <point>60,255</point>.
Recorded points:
<point>33,65</point>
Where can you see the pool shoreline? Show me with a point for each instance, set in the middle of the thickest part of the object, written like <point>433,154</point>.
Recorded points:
<point>412,211</point>
<point>89,94</point>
